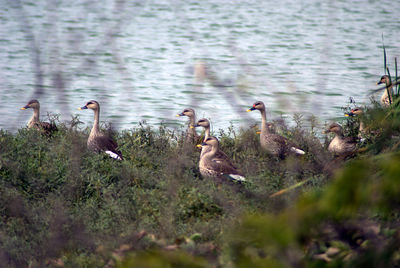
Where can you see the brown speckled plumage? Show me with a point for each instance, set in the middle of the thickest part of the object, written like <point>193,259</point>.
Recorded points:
<point>340,144</point>
<point>97,141</point>
<point>215,164</point>
<point>34,122</point>
<point>270,141</point>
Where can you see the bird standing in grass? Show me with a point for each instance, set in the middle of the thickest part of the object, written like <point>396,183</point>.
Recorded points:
<point>340,145</point>
<point>212,165</point>
<point>358,111</point>
<point>386,98</point>
<point>206,125</point>
<point>270,141</point>
<point>97,141</point>
<point>191,135</point>
<point>35,122</point>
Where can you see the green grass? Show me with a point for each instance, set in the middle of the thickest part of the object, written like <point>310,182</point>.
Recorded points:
<point>61,204</point>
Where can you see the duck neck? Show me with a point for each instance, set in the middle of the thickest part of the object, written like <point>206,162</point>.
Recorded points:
<point>192,120</point>
<point>96,128</point>
<point>35,116</point>
<point>264,128</point>
<point>190,130</point>
<point>389,87</point>
<point>207,133</point>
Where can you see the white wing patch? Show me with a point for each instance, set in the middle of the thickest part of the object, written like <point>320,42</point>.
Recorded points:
<point>237,177</point>
<point>296,151</point>
<point>113,155</point>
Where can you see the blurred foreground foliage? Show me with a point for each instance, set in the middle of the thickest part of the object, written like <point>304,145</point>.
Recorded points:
<point>63,206</point>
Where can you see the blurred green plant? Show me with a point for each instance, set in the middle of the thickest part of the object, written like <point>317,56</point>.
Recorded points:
<point>62,205</point>
<point>351,223</point>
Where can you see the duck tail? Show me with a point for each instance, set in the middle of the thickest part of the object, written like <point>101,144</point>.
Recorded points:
<point>236,177</point>
<point>296,150</point>
<point>114,155</point>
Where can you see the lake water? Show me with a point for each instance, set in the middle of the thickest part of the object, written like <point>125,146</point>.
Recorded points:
<point>148,60</point>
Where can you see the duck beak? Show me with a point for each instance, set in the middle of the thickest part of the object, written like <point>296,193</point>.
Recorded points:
<point>82,108</point>
<point>199,145</point>
<point>380,82</point>
<point>192,127</point>
<point>25,107</point>
<point>251,109</point>
<point>349,114</point>
<point>181,114</point>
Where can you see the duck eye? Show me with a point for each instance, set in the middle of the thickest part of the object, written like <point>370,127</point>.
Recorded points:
<point>186,110</point>
<point>257,103</point>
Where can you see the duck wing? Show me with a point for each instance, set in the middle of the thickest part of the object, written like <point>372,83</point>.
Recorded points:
<point>50,127</point>
<point>225,167</point>
<point>279,139</point>
<point>351,143</point>
<point>221,155</point>
<point>351,139</point>
<point>287,144</point>
<point>45,127</point>
<point>106,144</point>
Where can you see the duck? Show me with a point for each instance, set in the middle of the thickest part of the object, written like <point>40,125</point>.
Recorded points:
<point>205,123</point>
<point>35,122</point>
<point>213,166</point>
<point>358,111</point>
<point>191,135</point>
<point>271,142</point>
<point>385,100</point>
<point>97,141</point>
<point>340,145</point>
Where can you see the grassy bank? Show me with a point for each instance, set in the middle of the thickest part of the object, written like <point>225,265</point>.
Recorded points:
<point>61,205</point>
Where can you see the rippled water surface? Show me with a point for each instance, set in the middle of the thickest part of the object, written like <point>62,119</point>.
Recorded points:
<point>147,60</point>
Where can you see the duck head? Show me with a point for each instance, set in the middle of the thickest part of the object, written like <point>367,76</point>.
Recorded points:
<point>93,105</point>
<point>258,105</point>
<point>34,104</point>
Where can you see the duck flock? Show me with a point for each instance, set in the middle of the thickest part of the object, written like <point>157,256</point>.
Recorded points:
<point>213,162</point>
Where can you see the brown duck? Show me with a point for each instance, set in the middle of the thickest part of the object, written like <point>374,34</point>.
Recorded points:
<point>97,141</point>
<point>35,122</point>
<point>340,144</point>
<point>191,135</point>
<point>358,111</point>
<point>270,141</point>
<point>206,125</point>
<point>212,165</point>
<point>389,87</point>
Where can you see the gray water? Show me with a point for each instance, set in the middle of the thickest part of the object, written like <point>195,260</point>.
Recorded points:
<point>138,58</point>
